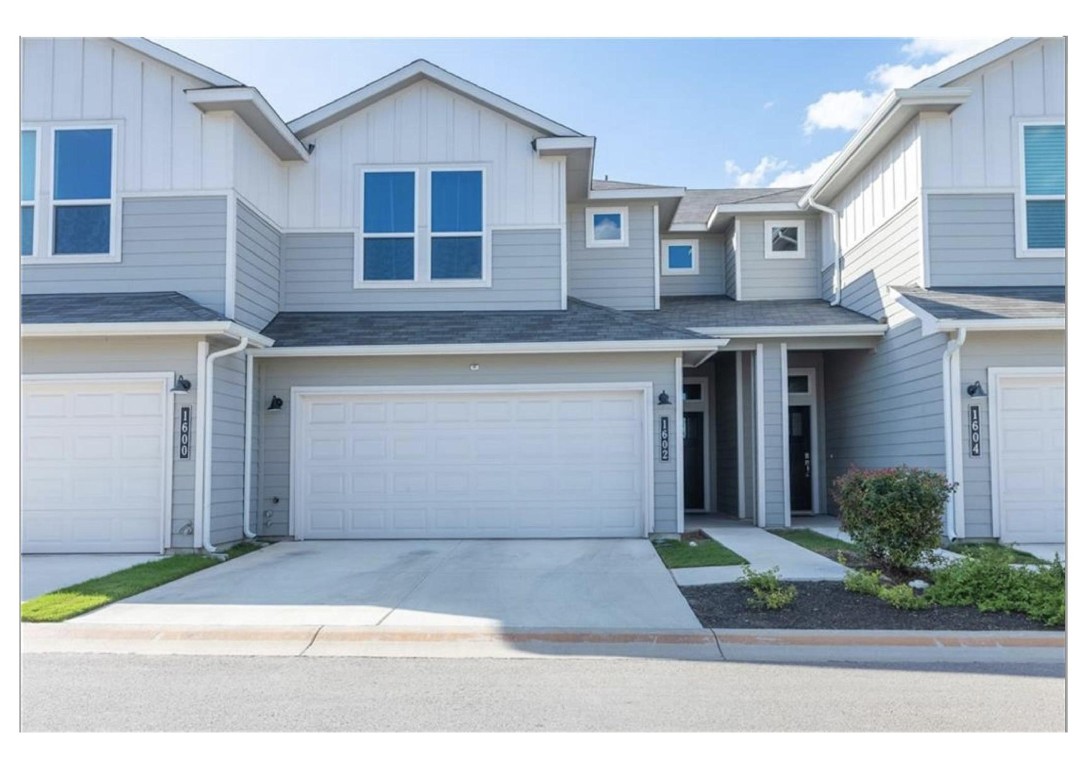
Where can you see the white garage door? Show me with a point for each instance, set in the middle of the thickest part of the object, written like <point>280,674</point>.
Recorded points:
<point>93,465</point>
<point>496,464</point>
<point>1030,464</point>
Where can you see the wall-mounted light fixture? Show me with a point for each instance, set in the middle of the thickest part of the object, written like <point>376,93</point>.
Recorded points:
<point>181,385</point>
<point>663,399</point>
<point>276,404</point>
<point>976,390</point>
<point>473,367</point>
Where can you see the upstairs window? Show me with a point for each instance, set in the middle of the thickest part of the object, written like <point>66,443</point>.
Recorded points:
<point>28,189</point>
<point>680,257</point>
<point>1043,188</point>
<point>785,240</point>
<point>388,225</point>
<point>83,189</point>
<point>606,228</point>
<point>456,225</point>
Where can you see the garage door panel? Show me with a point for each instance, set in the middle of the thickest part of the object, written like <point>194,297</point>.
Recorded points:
<point>474,464</point>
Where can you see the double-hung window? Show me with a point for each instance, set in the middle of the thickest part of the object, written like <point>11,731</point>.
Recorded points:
<point>82,191</point>
<point>28,190</point>
<point>1043,213</point>
<point>388,225</point>
<point>456,225</point>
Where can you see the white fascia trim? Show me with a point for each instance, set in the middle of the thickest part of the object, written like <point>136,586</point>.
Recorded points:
<point>651,193</point>
<point>255,111</point>
<point>802,331</point>
<point>205,328</point>
<point>930,324</point>
<point>563,347</point>
<point>561,145</point>
<point>906,101</point>
<point>417,70</point>
<point>177,61</point>
<point>732,209</point>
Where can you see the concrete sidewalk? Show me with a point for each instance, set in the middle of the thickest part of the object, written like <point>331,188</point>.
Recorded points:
<point>763,550</point>
<point>810,646</point>
<point>46,573</point>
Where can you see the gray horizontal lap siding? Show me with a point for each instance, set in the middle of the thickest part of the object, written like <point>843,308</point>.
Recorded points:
<point>730,260</point>
<point>972,243</point>
<point>891,255</point>
<point>710,279</point>
<point>981,352</point>
<point>763,278</point>
<point>827,283</point>
<point>278,376</point>
<point>622,278</point>
<point>258,253</point>
<point>228,448</point>
<point>167,244</point>
<point>318,275</point>
<point>176,355</point>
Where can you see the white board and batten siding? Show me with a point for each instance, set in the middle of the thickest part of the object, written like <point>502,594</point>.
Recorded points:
<point>778,278</point>
<point>425,124</point>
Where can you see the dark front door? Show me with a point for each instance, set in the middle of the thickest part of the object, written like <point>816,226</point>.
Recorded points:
<point>800,457</point>
<point>694,468</point>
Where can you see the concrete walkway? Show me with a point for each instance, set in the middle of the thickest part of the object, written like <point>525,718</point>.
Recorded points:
<point>46,573</point>
<point>763,550</point>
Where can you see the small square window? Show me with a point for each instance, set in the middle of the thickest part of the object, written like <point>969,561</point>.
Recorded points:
<point>798,385</point>
<point>785,240</point>
<point>679,257</point>
<point>606,228</point>
<point>692,393</point>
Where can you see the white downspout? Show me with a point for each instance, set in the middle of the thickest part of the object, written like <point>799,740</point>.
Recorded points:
<point>951,418</point>
<point>835,226</point>
<point>247,482</point>
<point>208,386</point>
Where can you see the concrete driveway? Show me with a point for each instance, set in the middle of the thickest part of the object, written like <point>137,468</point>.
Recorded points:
<point>45,573</point>
<point>583,583</point>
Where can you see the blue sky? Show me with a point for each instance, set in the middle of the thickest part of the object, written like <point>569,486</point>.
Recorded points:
<point>686,112</point>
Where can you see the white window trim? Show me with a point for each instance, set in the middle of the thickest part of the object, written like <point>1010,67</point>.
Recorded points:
<point>45,203</point>
<point>35,202</point>
<point>668,270</point>
<point>624,228</point>
<point>421,236</point>
<point>768,230</point>
<point>485,253</point>
<point>1021,250</point>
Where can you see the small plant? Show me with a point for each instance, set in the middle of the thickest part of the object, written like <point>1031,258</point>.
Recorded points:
<point>767,590</point>
<point>864,582</point>
<point>989,581</point>
<point>895,515</point>
<point>902,596</point>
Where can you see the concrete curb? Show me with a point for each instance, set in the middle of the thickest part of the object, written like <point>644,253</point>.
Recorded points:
<point>696,645</point>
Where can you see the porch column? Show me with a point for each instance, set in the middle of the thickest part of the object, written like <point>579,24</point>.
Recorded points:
<point>772,446</point>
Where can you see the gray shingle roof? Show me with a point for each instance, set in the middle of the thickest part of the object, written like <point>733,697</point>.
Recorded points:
<point>1046,302</point>
<point>610,184</point>
<point>159,307</point>
<point>697,204</point>
<point>582,321</point>
<point>723,312</point>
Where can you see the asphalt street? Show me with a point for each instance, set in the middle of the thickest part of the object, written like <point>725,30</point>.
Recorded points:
<point>85,692</point>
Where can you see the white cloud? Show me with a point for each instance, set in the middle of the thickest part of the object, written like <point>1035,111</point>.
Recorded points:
<point>849,109</point>
<point>769,105</point>
<point>772,172</point>
<point>756,177</point>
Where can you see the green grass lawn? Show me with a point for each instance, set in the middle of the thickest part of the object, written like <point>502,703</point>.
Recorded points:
<point>1022,558</point>
<point>816,542</point>
<point>694,554</point>
<point>71,601</point>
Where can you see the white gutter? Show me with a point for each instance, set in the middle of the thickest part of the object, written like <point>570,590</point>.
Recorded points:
<point>931,324</point>
<point>208,387</point>
<point>795,331</point>
<point>837,249</point>
<point>248,448</point>
<point>952,429</point>
<point>196,328</point>
<point>563,347</point>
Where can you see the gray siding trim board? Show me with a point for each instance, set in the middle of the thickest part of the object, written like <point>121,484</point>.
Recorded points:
<point>318,276</point>
<point>622,278</point>
<point>167,244</point>
<point>971,242</point>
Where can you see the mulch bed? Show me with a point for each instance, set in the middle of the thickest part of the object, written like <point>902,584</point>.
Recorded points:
<point>827,605</point>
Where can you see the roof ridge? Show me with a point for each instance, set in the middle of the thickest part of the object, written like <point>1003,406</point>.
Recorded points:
<point>631,315</point>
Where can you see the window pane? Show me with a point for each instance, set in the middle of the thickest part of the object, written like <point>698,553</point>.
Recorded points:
<point>607,226</point>
<point>81,229</point>
<point>798,385</point>
<point>26,230</point>
<point>27,166</point>
<point>680,257</point>
<point>1045,223</point>
<point>390,258</point>
<point>784,238</point>
<point>456,201</point>
<point>389,202</point>
<point>456,258</point>
<point>692,392</point>
<point>1044,147</point>
<point>83,163</point>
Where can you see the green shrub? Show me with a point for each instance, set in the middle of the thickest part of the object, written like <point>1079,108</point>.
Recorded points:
<point>767,590</point>
<point>989,581</point>
<point>865,582</point>
<point>895,515</point>
<point>902,596</point>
